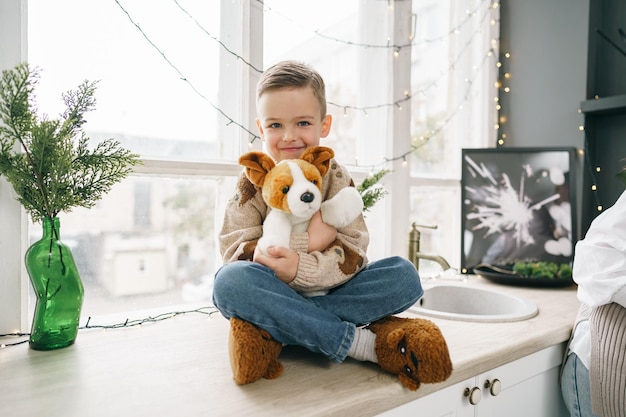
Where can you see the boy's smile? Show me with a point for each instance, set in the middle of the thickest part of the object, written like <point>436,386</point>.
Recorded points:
<point>290,120</point>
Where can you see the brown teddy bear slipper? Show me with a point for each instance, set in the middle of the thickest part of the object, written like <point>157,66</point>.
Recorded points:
<point>413,349</point>
<point>253,353</point>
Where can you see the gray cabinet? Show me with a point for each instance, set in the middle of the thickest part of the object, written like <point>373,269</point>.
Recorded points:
<point>604,108</point>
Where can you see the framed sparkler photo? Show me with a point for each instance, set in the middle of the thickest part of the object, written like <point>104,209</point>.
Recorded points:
<point>518,211</point>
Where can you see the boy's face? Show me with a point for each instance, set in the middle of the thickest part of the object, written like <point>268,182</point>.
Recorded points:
<point>289,121</point>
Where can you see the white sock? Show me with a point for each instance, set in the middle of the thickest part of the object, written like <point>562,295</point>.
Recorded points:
<point>363,346</point>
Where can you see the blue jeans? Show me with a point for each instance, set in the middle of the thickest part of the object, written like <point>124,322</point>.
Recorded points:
<point>575,387</point>
<point>324,324</point>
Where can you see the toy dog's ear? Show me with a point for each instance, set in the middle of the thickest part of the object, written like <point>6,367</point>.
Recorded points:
<point>257,165</point>
<point>319,156</point>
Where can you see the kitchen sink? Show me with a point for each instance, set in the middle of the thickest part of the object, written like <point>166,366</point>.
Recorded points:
<point>458,302</point>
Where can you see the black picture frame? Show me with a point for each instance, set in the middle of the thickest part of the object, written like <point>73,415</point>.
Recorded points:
<point>518,205</point>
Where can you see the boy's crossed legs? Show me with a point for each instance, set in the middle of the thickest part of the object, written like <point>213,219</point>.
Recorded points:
<point>260,305</point>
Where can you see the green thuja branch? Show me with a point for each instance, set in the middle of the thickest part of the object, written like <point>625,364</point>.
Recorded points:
<point>370,190</point>
<point>49,162</point>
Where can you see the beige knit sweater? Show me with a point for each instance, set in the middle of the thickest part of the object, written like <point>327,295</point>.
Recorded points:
<point>607,370</point>
<point>317,271</point>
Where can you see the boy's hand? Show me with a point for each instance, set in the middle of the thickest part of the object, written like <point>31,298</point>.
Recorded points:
<point>321,235</point>
<point>283,261</point>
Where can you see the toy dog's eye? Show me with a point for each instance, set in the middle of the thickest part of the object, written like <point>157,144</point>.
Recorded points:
<point>285,189</point>
<point>402,346</point>
<point>408,370</point>
<point>314,182</point>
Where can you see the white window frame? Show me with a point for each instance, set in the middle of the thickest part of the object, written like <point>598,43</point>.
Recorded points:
<point>13,221</point>
<point>14,287</point>
<point>391,225</point>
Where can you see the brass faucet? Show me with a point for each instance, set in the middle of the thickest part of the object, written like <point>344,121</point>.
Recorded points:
<point>414,249</point>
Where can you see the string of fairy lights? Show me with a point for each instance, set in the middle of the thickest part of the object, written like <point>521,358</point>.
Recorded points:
<point>395,49</point>
<point>412,42</point>
<point>502,85</point>
<point>591,170</point>
<point>207,311</point>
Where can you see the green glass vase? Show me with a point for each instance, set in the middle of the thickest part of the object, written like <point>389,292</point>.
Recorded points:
<point>58,288</point>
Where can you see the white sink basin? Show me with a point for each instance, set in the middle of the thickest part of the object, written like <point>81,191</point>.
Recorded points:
<point>457,302</point>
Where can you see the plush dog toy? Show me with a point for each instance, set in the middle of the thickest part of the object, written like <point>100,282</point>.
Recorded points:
<point>414,349</point>
<point>293,189</point>
<point>253,353</point>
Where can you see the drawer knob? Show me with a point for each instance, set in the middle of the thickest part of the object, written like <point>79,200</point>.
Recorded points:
<point>494,386</point>
<point>474,395</point>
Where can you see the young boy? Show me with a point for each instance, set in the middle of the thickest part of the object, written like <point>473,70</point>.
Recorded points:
<point>263,292</point>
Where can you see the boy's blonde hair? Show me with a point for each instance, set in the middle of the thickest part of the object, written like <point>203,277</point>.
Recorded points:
<point>293,74</point>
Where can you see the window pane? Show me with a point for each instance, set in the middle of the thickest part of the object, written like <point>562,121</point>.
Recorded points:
<point>150,242</point>
<point>430,76</point>
<point>453,76</point>
<point>156,63</point>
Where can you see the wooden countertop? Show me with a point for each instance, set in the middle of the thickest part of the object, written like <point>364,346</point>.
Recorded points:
<point>180,367</point>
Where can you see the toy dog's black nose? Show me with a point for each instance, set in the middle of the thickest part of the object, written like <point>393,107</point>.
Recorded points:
<point>307,197</point>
